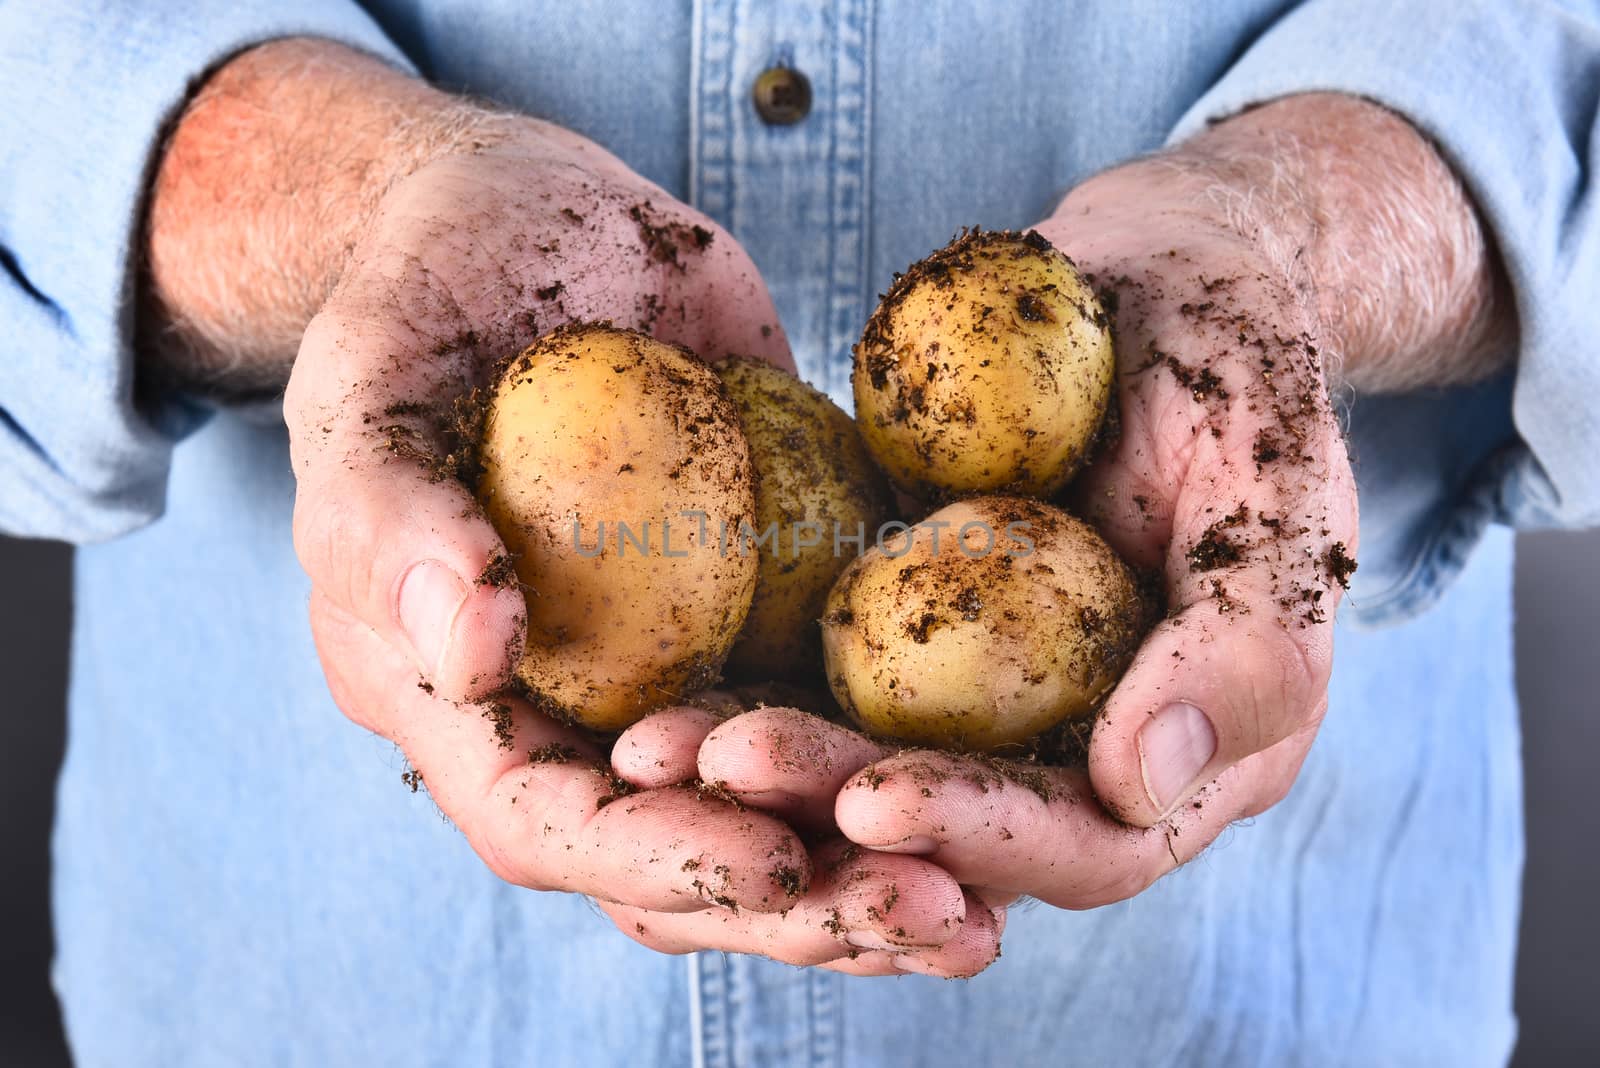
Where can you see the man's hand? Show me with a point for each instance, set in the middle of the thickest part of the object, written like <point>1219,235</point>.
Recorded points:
<point>866,912</point>
<point>318,211</point>
<point>678,866</point>
<point>1314,238</point>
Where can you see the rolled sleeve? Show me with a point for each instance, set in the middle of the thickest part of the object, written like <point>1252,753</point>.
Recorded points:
<point>1509,93</point>
<point>86,90</point>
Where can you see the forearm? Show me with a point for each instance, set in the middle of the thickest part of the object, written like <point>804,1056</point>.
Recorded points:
<point>266,180</point>
<point>1352,208</point>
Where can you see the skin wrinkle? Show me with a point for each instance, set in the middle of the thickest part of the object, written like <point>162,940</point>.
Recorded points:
<point>413,262</point>
<point>227,290</point>
<point>1402,270</point>
<point>272,223</point>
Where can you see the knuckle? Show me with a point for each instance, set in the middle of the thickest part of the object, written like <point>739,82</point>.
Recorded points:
<point>344,695</point>
<point>515,841</point>
<point>502,866</point>
<point>647,937</point>
<point>1271,794</point>
<point>508,860</point>
<point>1288,677</point>
<point>333,538</point>
<point>1306,664</point>
<point>304,407</point>
<point>1117,886</point>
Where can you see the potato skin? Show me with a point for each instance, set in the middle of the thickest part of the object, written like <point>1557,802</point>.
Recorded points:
<point>987,367</point>
<point>980,654</point>
<point>811,467</point>
<point>594,425</point>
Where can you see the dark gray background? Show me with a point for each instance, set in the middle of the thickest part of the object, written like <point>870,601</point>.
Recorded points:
<point>1558,658</point>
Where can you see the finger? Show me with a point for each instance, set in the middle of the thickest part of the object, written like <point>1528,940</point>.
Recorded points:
<point>973,949</point>
<point>859,901</point>
<point>1231,475</point>
<point>661,749</point>
<point>882,901</point>
<point>664,932</point>
<point>727,855</point>
<point>997,900</point>
<point>1255,571</point>
<point>1024,829</point>
<point>542,809</point>
<point>864,964</point>
<point>786,761</point>
<point>382,527</point>
<point>1209,687</point>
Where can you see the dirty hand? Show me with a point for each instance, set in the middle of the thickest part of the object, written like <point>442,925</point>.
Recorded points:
<point>865,912</point>
<point>1229,479</point>
<point>1239,270</point>
<point>320,219</point>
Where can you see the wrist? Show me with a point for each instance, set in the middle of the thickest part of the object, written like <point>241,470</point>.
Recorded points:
<point>266,181</point>
<point>1344,205</point>
<point>1157,241</point>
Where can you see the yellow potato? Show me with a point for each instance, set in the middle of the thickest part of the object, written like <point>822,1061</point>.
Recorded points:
<point>987,367</point>
<point>813,479</point>
<point>601,450</point>
<point>1006,620</point>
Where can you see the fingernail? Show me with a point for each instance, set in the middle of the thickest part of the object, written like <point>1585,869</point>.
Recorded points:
<point>1174,748</point>
<point>917,844</point>
<point>910,962</point>
<point>999,914</point>
<point>871,940</point>
<point>431,595</point>
<point>770,798</point>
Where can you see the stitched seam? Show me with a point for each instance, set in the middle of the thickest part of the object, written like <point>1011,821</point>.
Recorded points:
<point>847,184</point>
<point>711,118</point>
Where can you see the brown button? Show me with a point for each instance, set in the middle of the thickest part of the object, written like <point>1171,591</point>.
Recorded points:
<point>782,96</point>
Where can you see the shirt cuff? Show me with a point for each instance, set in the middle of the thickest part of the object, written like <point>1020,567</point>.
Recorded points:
<point>1507,94</point>
<point>86,92</point>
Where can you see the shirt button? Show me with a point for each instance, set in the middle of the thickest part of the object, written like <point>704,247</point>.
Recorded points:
<point>782,96</point>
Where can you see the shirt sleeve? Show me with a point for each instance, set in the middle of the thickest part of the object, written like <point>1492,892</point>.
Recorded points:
<point>1511,95</point>
<point>86,90</point>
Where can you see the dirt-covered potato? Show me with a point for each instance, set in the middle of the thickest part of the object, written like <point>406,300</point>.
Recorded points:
<point>601,449</point>
<point>986,367</point>
<point>813,478</point>
<point>993,620</point>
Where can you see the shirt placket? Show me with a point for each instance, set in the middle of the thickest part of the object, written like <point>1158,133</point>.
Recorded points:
<point>795,196</point>
<point>749,1012</point>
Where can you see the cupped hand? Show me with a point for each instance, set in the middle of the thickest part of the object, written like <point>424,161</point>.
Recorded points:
<point>865,912</point>
<point>1228,479</point>
<point>466,260</point>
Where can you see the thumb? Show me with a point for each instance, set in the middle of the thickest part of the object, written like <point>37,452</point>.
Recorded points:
<point>386,535</point>
<point>1211,686</point>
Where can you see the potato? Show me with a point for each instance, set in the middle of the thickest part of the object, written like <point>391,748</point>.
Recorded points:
<point>978,634</point>
<point>601,448</point>
<point>813,478</point>
<point>987,366</point>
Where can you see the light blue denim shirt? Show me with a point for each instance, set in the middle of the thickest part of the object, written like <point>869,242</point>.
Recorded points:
<point>241,878</point>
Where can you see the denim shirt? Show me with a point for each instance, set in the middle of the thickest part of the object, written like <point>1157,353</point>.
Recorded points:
<point>241,877</point>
